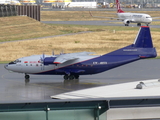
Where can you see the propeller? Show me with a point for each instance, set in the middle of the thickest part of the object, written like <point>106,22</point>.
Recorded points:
<point>42,61</point>
<point>42,57</point>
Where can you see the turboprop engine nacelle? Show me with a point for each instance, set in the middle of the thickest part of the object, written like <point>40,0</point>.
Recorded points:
<point>49,60</point>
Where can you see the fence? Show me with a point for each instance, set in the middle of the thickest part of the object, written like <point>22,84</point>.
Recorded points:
<point>7,10</point>
<point>32,11</point>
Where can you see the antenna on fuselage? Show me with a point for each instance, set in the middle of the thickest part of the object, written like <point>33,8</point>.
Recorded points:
<point>53,52</point>
<point>61,53</point>
<point>42,61</point>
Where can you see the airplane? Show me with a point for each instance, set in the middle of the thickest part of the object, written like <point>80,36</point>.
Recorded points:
<point>12,2</point>
<point>72,65</point>
<point>128,18</point>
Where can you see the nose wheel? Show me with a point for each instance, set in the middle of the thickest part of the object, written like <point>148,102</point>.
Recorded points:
<point>27,76</point>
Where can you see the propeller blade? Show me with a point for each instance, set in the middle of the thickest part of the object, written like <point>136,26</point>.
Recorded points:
<point>53,52</point>
<point>42,61</point>
<point>61,52</point>
<point>42,57</point>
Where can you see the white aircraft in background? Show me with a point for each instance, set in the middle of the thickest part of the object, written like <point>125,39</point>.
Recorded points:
<point>128,18</point>
<point>10,2</point>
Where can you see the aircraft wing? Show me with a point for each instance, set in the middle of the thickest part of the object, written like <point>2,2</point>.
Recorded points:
<point>105,17</point>
<point>70,56</point>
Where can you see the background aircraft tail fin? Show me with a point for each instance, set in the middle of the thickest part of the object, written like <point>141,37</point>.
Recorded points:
<point>119,10</point>
<point>142,46</point>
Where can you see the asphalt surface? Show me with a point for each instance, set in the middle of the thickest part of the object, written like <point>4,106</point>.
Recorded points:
<point>98,22</point>
<point>14,87</point>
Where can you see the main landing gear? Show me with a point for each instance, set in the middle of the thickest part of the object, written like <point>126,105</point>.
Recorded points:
<point>126,24</point>
<point>138,24</point>
<point>71,77</point>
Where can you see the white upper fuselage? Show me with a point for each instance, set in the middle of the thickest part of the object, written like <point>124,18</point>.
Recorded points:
<point>33,65</point>
<point>135,17</point>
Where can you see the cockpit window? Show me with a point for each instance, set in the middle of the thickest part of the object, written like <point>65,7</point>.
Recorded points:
<point>15,62</point>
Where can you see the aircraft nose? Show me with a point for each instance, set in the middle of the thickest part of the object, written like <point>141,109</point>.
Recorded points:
<point>150,19</point>
<point>6,67</point>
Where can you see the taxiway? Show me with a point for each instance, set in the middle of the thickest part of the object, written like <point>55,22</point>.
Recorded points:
<point>98,22</point>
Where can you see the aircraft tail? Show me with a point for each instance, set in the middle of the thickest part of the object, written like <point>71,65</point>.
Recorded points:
<point>142,46</point>
<point>119,10</point>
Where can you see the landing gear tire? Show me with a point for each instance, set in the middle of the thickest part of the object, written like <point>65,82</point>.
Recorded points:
<point>71,77</point>
<point>27,76</point>
<point>66,77</point>
<point>126,24</point>
<point>138,24</point>
<point>76,76</point>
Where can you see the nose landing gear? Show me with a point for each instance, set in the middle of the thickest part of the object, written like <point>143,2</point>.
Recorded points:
<point>27,76</point>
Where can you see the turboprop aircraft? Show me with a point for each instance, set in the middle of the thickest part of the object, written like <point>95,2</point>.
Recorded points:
<point>128,18</point>
<point>72,65</point>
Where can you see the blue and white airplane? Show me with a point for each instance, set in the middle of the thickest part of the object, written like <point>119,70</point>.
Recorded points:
<point>72,65</point>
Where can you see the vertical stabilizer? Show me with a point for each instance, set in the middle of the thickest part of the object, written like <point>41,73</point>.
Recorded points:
<point>119,10</point>
<point>143,39</point>
<point>142,46</point>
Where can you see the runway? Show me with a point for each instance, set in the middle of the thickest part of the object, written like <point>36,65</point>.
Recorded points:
<point>13,86</point>
<point>98,22</point>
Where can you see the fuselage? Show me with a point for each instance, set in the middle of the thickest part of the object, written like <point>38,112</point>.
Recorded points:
<point>135,17</point>
<point>85,65</point>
